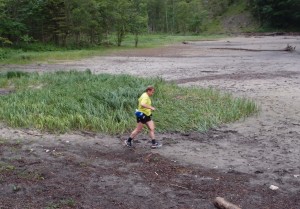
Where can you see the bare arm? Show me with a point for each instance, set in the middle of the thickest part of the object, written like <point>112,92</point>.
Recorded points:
<point>148,106</point>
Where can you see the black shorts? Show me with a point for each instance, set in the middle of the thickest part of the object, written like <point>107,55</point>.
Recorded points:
<point>143,119</point>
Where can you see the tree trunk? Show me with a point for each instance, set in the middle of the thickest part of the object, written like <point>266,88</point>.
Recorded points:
<point>136,40</point>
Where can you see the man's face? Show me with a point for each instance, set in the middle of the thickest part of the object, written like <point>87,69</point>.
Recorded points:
<point>151,92</point>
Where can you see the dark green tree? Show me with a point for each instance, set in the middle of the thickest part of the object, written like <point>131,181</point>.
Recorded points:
<point>83,19</point>
<point>120,19</point>
<point>12,26</point>
<point>280,13</point>
<point>158,16</point>
<point>138,19</point>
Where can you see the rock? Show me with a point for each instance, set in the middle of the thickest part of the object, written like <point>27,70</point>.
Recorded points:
<point>274,187</point>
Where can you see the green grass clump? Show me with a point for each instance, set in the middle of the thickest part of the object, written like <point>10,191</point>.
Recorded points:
<point>4,167</point>
<point>69,101</point>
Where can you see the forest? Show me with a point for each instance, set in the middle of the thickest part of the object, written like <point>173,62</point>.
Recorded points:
<point>89,22</point>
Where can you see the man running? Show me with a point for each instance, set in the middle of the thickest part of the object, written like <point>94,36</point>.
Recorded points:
<point>143,116</point>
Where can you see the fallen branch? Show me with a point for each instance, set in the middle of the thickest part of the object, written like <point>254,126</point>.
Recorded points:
<point>274,34</point>
<point>146,159</point>
<point>175,185</point>
<point>288,48</point>
<point>252,50</point>
<point>221,203</point>
<point>85,133</point>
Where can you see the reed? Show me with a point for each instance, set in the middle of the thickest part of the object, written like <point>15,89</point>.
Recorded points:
<point>70,101</point>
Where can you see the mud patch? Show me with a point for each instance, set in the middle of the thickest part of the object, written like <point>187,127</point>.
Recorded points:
<point>6,91</point>
<point>85,176</point>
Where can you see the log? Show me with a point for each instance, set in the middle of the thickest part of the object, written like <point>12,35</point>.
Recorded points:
<point>288,48</point>
<point>221,203</point>
<point>251,50</point>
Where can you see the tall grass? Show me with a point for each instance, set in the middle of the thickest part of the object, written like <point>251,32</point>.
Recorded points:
<point>69,101</point>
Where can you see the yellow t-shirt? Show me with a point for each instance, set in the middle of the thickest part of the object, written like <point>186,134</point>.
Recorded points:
<point>144,99</point>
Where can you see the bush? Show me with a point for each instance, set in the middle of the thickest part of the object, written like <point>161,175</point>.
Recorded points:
<point>3,53</point>
<point>5,41</point>
<point>37,47</point>
<point>16,74</point>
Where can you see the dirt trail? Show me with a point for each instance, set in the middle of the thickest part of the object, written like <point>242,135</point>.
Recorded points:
<point>238,161</point>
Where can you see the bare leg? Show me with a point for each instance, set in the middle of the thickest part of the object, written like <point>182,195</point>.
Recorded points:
<point>137,130</point>
<point>151,127</point>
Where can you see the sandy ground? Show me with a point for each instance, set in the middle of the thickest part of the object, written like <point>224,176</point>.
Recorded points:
<point>238,161</point>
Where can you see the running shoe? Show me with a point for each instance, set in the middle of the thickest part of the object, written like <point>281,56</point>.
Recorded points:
<point>127,143</point>
<point>156,145</point>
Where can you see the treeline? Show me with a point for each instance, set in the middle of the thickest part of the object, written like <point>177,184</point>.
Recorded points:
<point>90,22</point>
<point>281,14</point>
<point>63,22</point>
